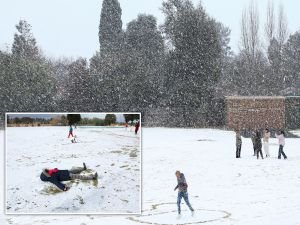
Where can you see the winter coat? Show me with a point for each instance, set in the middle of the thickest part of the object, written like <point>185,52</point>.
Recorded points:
<point>55,177</point>
<point>71,129</point>
<point>257,141</point>
<point>267,136</point>
<point>182,185</point>
<point>281,139</point>
<point>238,139</point>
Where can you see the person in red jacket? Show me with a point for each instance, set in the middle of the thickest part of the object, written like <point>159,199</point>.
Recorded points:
<point>56,176</point>
<point>137,126</point>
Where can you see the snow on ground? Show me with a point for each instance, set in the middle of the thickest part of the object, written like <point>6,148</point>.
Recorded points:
<point>113,152</point>
<point>223,190</point>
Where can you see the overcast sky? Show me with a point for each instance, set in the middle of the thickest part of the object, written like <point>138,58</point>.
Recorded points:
<point>70,27</point>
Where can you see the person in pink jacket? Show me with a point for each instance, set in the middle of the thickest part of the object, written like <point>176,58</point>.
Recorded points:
<point>281,141</point>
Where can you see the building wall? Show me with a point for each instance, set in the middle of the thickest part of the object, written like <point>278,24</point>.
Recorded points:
<point>255,112</point>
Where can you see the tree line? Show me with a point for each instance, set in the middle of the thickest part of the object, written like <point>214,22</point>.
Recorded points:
<point>179,70</point>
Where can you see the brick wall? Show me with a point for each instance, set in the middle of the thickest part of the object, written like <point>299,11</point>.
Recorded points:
<point>255,112</point>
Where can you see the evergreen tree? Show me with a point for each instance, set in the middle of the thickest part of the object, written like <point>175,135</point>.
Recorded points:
<point>291,66</point>
<point>143,64</point>
<point>193,60</point>
<point>78,92</point>
<point>24,44</point>
<point>110,28</point>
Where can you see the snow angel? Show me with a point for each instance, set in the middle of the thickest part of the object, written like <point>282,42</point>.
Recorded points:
<point>56,176</point>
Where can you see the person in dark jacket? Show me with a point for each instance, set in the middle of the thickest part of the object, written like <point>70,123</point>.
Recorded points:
<point>258,145</point>
<point>56,176</point>
<point>238,144</point>
<point>182,191</point>
<point>137,126</point>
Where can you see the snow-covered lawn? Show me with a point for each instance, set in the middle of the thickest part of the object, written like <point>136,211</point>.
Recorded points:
<point>113,152</point>
<point>222,189</point>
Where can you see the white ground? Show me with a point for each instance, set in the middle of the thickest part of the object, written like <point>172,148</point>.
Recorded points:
<point>222,189</point>
<point>113,152</point>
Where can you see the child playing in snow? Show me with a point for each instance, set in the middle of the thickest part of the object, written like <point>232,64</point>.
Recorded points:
<point>56,176</point>
<point>281,141</point>
<point>182,191</point>
<point>70,131</point>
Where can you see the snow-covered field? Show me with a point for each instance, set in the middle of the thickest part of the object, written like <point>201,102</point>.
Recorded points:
<point>113,152</point>
<point>222,189</point>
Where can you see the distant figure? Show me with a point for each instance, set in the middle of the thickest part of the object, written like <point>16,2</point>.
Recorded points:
<point>56,176</point>
<point>137,126</point>
<point>126,126</point>
<point>258,145</point>
<point>238,144</point>
<point>266,138</point>
<point>182,191</point>
<point>70,131</point>
<point>281,141</point>
<point>253,134</point>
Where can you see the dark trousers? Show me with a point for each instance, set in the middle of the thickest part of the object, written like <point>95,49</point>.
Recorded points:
<point>184,195</point>
<point>238,150</point>
<point>281,152</point>
<point>254,150</point>
<point>259,151</point>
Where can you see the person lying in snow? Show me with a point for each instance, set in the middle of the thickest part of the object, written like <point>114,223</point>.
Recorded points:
<point>182,191</point>
<point>56,176</point>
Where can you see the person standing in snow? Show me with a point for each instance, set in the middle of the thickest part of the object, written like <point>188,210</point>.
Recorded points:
<point>266,138</point>
<point>281,141</point>
<point>182,191</point>
<point>137,126</point>
<point>253,134</point>
<point>56,176</point>
<point>70,131</point>
<point>238,144</point>
<point>258,144</point>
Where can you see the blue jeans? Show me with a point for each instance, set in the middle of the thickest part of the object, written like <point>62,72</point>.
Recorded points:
<point>184,195</point>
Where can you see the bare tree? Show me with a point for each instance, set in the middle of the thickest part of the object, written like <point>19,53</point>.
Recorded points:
<point>270,23</point>
<point>282,30</point>
<point>250,32</point>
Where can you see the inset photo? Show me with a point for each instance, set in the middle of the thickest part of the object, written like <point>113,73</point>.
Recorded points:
<point>73,163</point>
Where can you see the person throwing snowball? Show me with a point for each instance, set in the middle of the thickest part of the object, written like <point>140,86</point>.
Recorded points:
<point>182,192</point>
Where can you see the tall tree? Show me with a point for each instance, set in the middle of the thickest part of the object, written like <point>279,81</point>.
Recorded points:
<point>193,65</point>
<point>24,44</point>
<point>291,66</point>
<point>110,28</point>
<point>143,64</point>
